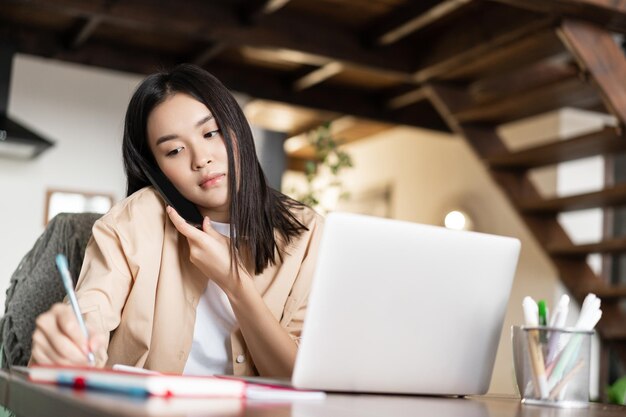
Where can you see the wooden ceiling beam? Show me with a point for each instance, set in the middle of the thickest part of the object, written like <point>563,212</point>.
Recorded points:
<point>524,78</point>
<point>510,55</point>
<point>443,50</point>
<point>410,18</point>
<point>407,98</point>
<point>254,10</point>
<point>296,164</point>
<point>346,130</point>
<point>86,29</point>
<point>317,76</point>
<point>51,45</point>
<point>206,21</point>
<point>210,52</point>
<point>562,92</point>
<point>610,14</point>
<point>256,82</point>
<point>269,85</point>
<point>457,46</point>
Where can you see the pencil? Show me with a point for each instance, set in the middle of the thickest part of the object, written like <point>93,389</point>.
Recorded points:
<point>557,389</point>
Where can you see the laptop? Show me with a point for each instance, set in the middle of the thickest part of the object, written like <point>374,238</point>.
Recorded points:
<point>399,307</point>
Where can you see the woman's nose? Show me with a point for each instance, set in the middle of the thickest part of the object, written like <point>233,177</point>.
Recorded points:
<point>201,158</point>
<point>200,163</point>
<point>201,155</point>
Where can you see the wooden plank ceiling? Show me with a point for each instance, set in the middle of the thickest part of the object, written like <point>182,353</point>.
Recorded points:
<point>324,59</point>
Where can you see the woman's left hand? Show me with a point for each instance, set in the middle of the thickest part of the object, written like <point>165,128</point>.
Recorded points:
<point>209,251</point>
<point>271,346</point>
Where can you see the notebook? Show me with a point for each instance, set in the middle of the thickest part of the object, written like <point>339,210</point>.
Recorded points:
<point>399,307</point>
<point>133,383</point>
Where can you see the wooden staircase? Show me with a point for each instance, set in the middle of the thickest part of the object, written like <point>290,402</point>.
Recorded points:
<point>567,63</point>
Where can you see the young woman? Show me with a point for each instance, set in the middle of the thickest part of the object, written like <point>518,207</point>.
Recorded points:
<point>161,294</point>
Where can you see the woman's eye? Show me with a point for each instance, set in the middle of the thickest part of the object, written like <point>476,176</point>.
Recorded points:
<point>211,134</point>
<point>174,152</point>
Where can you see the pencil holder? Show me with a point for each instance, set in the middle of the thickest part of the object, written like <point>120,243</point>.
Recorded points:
<point>552,365</point>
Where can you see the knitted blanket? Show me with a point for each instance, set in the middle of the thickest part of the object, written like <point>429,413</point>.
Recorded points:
<point>35,285</point>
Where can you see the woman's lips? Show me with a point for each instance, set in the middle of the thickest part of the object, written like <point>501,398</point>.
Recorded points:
<point>211,181</point>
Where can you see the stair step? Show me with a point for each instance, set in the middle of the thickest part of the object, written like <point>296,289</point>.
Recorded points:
<point>526,77</point>
<point>609,246</point>
<point>605,141</point>
<point>610,292</point>
<point>509,56</point>
<point>609,197</point>
<point>570,92</point>
<point>616,332</point>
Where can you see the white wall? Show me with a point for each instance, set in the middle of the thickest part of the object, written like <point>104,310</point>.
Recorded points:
<point>81,109</point>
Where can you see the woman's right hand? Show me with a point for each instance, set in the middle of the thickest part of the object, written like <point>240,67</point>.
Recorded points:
<point>58,340</point>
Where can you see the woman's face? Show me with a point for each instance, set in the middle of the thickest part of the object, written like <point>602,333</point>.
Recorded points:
<point>188,147</point>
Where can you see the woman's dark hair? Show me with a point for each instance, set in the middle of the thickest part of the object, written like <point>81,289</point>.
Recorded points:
<point>256,210</point>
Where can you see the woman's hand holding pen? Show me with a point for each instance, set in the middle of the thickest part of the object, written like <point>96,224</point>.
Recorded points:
<point>58,339</point>
<point>209,251</point>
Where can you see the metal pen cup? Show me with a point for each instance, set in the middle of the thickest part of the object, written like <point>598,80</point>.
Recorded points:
<point>552,365</point>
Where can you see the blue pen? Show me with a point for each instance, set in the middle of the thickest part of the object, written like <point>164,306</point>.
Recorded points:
<point>78,382</point>
<point>64,269</point>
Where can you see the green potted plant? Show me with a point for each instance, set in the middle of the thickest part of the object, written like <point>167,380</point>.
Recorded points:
<point>323,183</point>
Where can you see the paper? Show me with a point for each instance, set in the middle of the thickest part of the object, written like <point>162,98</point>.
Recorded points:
<point>274,389</point>
<point>274,393</point>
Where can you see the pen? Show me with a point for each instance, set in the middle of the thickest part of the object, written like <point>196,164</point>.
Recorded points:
<point>557,320</point>
<point>543,313</point>
<point>563,383</point>
<point>560,313</point>
<point>534,349</point>
<point>133,369</point>
<point>543,320</point>
<point>590,314</point>
<point>63,267</point>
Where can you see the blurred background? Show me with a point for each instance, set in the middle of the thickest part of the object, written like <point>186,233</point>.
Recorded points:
<point>501,117</point>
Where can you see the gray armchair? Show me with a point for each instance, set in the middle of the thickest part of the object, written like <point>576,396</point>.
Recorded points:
<point>35,285</point>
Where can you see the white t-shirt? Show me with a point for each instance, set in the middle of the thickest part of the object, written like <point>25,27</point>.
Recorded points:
<point>210,350</point>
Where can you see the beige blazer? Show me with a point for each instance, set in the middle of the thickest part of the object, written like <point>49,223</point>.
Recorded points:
<point>139,287</point>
